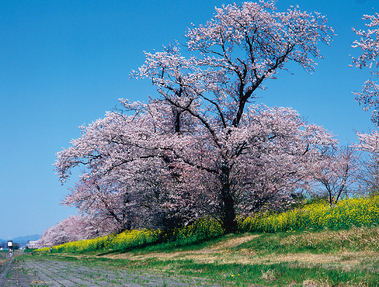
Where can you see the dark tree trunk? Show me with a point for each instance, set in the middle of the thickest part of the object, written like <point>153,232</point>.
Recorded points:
<point>176,120</point>
<point>228,214</point>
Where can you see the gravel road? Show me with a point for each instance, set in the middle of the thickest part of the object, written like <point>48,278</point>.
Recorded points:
<point>56,273</point>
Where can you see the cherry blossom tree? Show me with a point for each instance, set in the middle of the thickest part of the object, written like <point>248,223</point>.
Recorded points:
<point>140,170</point>
<point>73,228</point>
<point>202,148</point>
<point>369,44</point>
<point>369,175</point>
<point>231,56</point>
<point>93,200</point>
<point>130,180</point>
<point>369,97</point>
<point>337,174</point>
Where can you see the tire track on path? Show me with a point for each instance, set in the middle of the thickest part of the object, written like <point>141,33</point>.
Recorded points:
<point>58,273</point>
<point>4,272</point>
<point>13,275</point>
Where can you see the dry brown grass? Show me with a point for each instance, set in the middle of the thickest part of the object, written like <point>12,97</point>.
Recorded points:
<point>222,253</point>
<point>219,252</point>
<point>358,238</point>
<point>316,283</point>
<point>225,253</point>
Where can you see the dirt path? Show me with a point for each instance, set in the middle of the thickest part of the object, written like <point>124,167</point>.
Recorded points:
<point>12,275</point>
<point>31,272</point>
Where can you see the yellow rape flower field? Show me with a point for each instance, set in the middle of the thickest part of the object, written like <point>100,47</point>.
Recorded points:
<point>347,213</point>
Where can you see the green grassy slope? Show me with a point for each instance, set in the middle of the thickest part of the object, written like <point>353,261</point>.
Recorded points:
<point>301,258</point>
<point>312,245</point>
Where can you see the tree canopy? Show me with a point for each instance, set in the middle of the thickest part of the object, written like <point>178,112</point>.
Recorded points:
<point>202,148</point>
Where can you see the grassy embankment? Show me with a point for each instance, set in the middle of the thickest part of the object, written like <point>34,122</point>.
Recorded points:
<point>315,245</point>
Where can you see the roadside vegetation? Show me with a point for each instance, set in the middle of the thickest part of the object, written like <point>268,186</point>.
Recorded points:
<point>314,244</point>
<point>318,214</point>
<point>353,213</point>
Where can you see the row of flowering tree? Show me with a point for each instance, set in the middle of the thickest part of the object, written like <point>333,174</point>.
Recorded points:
<point>202,148</point>
<point>73,228</point>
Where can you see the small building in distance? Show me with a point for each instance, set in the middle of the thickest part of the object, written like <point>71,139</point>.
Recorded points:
<point>32,244</point>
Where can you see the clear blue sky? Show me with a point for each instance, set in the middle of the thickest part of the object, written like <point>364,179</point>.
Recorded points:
<point>64,63</point>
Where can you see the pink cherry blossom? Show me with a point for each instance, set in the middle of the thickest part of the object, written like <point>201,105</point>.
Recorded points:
<point>73,228</point>
<point>369,57</point>
<point>337,174</point>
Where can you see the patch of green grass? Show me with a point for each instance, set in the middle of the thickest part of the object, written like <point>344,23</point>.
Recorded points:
<point>278,274</point>
<point>316,242</point>
<point>268,243</point>
<point>174,246</point>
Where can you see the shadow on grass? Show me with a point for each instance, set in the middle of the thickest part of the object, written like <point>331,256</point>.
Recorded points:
<point>172,246</point>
